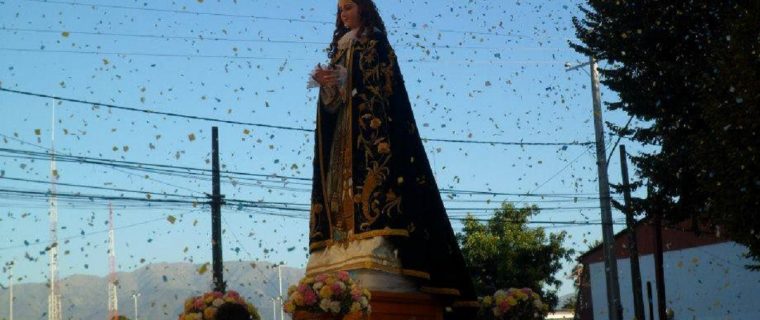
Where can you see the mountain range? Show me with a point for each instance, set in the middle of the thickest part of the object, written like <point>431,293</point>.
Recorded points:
<point>163,287</point>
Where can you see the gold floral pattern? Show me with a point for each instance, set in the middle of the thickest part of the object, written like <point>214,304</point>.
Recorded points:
<point>371,193</point>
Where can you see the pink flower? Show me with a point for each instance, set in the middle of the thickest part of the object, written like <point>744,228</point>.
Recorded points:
<point>336,288</point>
<point>321,277</point>
<point>217,294</point>
<point>303,288</point>
<point>232,294</point>
<point>504,306</point>
<point>356,293</point>
<point>199,304</point>
<point>343,275</point>
<point>309,297</point>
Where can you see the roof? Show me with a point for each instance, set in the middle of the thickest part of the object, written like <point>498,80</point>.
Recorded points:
<point>675,237</point>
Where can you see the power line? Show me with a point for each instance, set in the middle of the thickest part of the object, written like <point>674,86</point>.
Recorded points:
<point>298,20</point>
<point>172,114</point>
<point>284,206</point>
<point>560,171</point>
<point>112,167</point>
<point>585,223</point>
<point>519,143</point>
<point>99,188</point>
<point>189,12</point>
<point>163,37</point>
<point>92,197</point>
<point>181,171</point>
<point>143,166</point>
<point>495,193</point>
<point>269,41</point>
<point>88,234</point>
<point>241,57</point>
<point>145,54</point>
<point>196,173</point>
<point>149,193</point>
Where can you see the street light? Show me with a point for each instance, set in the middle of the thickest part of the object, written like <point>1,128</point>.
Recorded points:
<point>134,297</point>
<point>274,308</point>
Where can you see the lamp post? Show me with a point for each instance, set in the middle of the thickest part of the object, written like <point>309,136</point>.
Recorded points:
<point>134,297</point>
<point>274,308</point>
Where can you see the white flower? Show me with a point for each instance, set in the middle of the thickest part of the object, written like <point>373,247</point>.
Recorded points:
<point>356,307</point>
<point>364,301</point>
<point>324,304</point>
<point>217,302</point>
<point>335,306</point>
<point>318,285</point>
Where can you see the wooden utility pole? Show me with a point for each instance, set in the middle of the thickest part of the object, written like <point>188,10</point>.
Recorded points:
<point>659,273</point>
<point>216,214</point>
<point>608,236</point>
<point>633,247</point>
<point>649,298</point>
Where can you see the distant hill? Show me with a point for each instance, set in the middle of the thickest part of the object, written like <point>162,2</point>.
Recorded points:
<point>163,288</point>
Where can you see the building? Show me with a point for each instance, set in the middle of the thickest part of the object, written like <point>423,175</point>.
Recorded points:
<point>705,276</point>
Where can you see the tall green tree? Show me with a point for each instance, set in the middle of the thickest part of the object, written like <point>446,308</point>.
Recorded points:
<point>504,251</point>
<point>689,71</point>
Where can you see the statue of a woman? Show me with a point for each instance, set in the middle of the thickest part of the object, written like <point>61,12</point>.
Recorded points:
<point>375,207</point>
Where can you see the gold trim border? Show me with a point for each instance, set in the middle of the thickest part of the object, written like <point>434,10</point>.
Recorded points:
<point>372,266</point>
<point>447,291</point>
<point>360,236</point>
<point>466,304</point>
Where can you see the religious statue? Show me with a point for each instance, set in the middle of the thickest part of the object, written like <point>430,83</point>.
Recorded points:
<point>375,207</point>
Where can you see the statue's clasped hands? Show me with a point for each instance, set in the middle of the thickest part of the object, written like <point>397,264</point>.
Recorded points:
<point>326,77</point>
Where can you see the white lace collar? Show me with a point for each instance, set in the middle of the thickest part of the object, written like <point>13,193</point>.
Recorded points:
<point>346,39</point>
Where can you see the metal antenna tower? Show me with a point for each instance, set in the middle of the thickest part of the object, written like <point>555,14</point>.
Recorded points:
<point>113,302</point>
<point>54,299</point>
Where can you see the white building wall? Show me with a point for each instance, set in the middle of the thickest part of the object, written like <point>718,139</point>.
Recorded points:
<point>702,283</point>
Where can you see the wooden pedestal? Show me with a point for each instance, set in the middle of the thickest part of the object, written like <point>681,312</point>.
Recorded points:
<point>390,306</point>
<point>404,306</point>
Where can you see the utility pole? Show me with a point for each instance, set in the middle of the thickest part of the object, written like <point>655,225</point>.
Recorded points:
<point>10,298</point>
<point>610,262</point>
<point>274,309</point>
<point>54,296</point>
<point>113,301</point>
<point>659,273</point>
<point>649,298</point>
<point>608,236</point>
<point>633,247</point>
<point>279,298</point>
<point>216,214</point>
<point>134,297</point>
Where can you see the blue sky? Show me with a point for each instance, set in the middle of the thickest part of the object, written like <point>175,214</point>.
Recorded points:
<point>475,70</point>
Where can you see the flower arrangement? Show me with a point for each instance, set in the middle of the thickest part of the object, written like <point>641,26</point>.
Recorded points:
<point>513,304</point>
<point>329,293</point>
<point>204,307</point>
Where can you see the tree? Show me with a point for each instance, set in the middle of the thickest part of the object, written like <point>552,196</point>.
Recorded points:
<point>690,72</point>
<point>504,252</point>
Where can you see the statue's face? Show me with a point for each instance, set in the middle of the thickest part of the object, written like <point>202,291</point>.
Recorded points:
<point>349,14</point>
